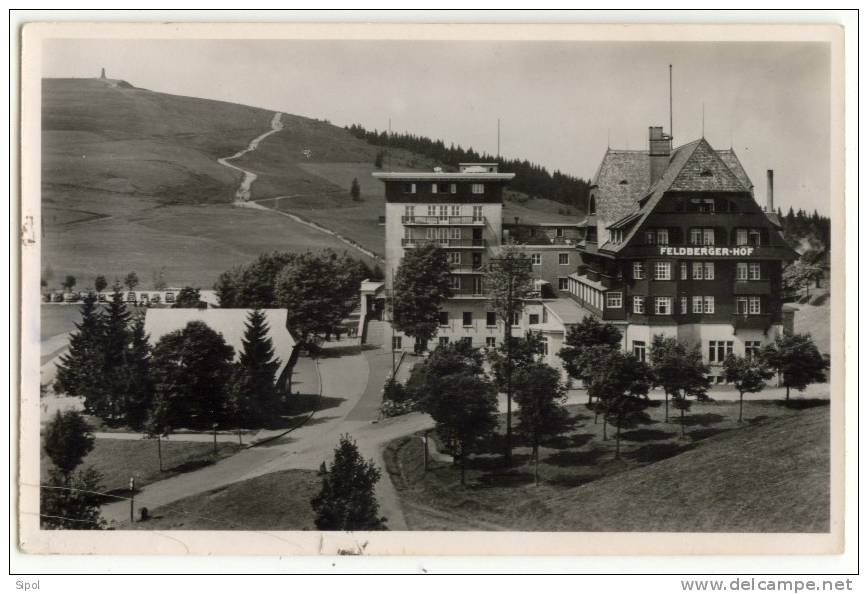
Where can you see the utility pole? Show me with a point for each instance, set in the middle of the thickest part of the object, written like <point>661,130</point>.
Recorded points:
<point>132,498</point>
<point>671,129</point>
<point>498,138</point>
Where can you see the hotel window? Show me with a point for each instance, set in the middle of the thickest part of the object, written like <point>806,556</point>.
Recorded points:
<point>563,283</point>
<point>477,189</point>
<point>752,348</point>
<point>638,304</point>
<point>409,188</point>
<point>396,343</point>
<point>639,350</point>
<point>516,318</point>
<point>662,306</point>
<point>444,318</point>
<point>432,210</point>
<point>409,212</point>
<point>454,232</point>
<point>454,258</point>
<point>545,346</point>
<point>662,271</point>
<point>434,189</point>
<point>477,285</point>
<point>559,232</point>
<point>748,237</point>
<point>467,340</point>
<point>477,213</point>
<point>741,305</point>
<point>684,305</point>
<point>536,259</point>
<point>683,271</point>
<point>564,259</point>
<point>702,236</point>
<point>533,319</point>
<point>455,283</point>
<point>453,188</point>
<point>703,204</point>
<point>455,210</point>
<point>617,236</point>
<point>592,205</point>
<point>467,318</point>
<point>697,305</point>
<point>754,271</point>
<point>719,350</point>
<point>708,305</point>
<point>444,212</point>
<point>490,318</point>
<point>703,270</point>
<point>638,270</point>
<point>444,340</point>
<point>490,342</point>
<point>753,305</point>
<point>741,271</point>
<point>614,300</point>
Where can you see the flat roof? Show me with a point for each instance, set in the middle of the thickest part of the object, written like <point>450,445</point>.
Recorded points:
<point>437,175</point>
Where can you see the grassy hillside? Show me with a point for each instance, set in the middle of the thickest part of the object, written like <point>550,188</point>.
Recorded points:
<point>130,181</point>
<point>769,475</point>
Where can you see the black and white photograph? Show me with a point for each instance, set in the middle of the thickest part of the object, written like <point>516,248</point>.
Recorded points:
<point>319,282</point>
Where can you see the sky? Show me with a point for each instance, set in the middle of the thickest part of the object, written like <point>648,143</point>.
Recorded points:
<point>560,103</point>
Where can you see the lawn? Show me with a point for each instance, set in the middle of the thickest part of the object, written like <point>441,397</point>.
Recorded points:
<point>771,474</point>
<point>120,459</point>
<point>275,501</point>
<point>814,317</point>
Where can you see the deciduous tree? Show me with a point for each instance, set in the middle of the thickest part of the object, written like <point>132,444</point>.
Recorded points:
<point>67,440</point>
<point>747,375</point>
<point>420,285</point>
<point>620,384</point>
<point>508,281</point>
<point>355,189</point>
<point>680,372</point>
<point>584,344</point>
<point>541,413</point>
<point>100,283</point>
<point>798,361</point>
<point>131,281</point>
<point>525,351</point>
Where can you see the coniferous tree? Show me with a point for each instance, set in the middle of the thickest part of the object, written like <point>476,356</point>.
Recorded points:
<point>355,189</point>
<point>346,500</point>
<point>116,345</point>
<point>80,372</point>
<point>71,503</point>
<point>254,394</point>
<point>140,389</point>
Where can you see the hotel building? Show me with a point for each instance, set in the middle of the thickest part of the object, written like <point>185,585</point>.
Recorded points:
<point>674,243</point>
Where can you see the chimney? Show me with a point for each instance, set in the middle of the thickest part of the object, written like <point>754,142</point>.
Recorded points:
<point>770,190</point>
<point>102,74</point>
<point>659,149</point>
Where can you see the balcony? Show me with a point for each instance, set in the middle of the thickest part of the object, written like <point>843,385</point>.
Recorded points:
<point>428,221</point>
<point>445,243</point>
<point>751,322</point>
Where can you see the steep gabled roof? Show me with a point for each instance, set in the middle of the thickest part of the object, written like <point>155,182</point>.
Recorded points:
<point>695,166</point>
<point>731,160</point>
<point>622,179</point>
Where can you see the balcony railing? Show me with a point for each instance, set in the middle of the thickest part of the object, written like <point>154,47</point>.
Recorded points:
<point>436,220</point>
<point>762,321</point>
<point>464,269</point>
<point>446,243</point>
<point>752,287</point>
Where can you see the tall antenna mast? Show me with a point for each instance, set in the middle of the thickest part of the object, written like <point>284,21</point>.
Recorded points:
<point>389,144</point>
<point>498,138</point>
<point>703,119</point>
<point>671,129</point>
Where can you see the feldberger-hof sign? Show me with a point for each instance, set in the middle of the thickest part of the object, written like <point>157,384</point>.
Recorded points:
<point>706,251</point>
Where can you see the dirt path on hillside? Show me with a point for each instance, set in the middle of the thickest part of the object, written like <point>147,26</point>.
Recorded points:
<point>242,194</point>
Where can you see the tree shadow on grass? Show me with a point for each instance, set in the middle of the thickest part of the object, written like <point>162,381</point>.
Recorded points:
<point>304,403</point>
<point>191,465</point>
<point>494,462</point>
<point>511,478</point>
<point>570,480</point>
<point>562,442</point>
<point>642,435</point>
<point>576,458</point>
<point>802,403</point>
<point>758,420</point>
<point>700,434</point>
<point>703,420</point>
<point>654,452</point>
